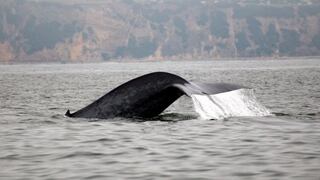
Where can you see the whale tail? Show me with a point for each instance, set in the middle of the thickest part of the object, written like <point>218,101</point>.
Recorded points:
<point>149,95</point>
<point>68,114</point>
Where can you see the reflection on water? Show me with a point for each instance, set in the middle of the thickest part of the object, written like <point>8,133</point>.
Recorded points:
<point>38,142</point>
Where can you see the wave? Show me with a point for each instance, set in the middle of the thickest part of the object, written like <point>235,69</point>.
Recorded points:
<point>241,102</point>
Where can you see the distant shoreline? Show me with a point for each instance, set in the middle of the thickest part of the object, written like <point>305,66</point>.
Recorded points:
<point>127,60</point>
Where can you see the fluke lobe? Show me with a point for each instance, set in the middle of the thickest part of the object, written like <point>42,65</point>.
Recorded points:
<point>147,96</point>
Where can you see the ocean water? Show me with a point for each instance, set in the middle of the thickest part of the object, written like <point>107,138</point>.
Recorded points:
<point>38,142</point>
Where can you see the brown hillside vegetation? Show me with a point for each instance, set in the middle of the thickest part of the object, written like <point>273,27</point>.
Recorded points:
<point>80,30</point>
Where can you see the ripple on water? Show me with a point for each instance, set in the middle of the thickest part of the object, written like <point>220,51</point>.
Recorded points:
<point>80,154</point>
<point>38,142</point>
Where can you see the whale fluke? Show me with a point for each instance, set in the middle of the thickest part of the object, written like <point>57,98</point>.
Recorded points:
<point>147,96</point>
<point>68,114</point>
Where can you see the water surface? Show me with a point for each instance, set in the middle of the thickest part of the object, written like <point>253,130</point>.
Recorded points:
<point>38,142</point>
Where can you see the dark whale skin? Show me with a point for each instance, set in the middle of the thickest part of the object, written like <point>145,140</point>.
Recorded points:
<point>146,96</point>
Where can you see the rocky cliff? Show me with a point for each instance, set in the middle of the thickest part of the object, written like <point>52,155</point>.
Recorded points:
<point>97,30</point>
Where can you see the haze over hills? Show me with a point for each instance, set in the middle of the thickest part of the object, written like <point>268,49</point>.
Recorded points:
<point>98,30</point>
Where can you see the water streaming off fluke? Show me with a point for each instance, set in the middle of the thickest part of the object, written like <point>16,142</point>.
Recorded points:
<point>240,102</point>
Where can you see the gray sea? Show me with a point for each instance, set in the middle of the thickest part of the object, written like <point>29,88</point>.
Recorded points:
<point>38,142</point>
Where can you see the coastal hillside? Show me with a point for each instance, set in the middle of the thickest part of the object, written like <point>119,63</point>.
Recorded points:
<point>98,30</point>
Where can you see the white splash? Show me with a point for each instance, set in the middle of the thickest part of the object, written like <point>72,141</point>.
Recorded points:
<point>241,102</point>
